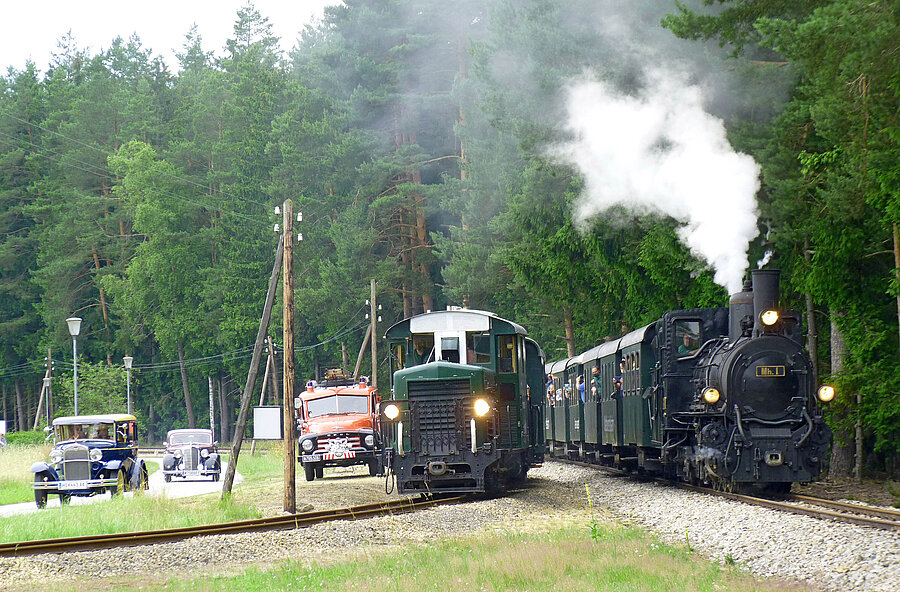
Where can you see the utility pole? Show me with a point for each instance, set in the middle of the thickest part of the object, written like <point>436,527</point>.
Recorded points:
<point>241,425</point>
<point>372,317</point>
<point>290,459</point>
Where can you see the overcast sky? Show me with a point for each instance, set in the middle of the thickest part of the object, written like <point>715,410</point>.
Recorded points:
<point>31,28</point>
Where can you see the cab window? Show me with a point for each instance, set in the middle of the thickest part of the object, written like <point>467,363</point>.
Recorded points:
<point>506,353</point>
<point>478,348</point>
<point>687,338</point>
<point>422,350</point>
<point>398,359</point>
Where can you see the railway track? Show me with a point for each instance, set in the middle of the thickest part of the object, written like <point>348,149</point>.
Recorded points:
<point>883,518</point>
<point>286,522</point>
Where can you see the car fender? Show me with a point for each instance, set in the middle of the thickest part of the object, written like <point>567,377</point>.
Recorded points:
<point>113,465</point>
<point>136,470</point>
<point>213,461</point>
<point>43,467</point>
<point>168,462</point>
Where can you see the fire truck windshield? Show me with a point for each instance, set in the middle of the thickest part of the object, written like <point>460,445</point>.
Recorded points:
<point>338,404</point>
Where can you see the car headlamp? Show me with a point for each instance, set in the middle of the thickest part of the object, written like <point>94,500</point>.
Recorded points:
<point>178,453</point>
<point>826,393</point>
<point>204,452</point>
<point>392,411</point>
<point>711,395</point>
<point>370,440</point>
<point>482,407</point>
<point>55,456</point>
<point>307,445</point>
<point>96,455</point>
<point>769,317</point>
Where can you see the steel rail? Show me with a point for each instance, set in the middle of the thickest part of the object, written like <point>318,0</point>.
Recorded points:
<point>285,522</point>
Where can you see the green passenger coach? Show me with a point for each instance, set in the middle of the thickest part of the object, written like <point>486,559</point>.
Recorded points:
<point>466,408</point>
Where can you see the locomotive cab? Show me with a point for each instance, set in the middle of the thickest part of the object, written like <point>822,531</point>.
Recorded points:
<point>461,416</point>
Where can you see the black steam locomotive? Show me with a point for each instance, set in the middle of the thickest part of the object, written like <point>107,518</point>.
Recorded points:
<point>717,396</point>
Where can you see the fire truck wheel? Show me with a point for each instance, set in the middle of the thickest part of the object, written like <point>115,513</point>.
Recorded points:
<point>320,472</point>
<point>310,472</point>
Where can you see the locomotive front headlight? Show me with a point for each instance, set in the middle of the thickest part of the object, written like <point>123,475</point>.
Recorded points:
<point>769,317</point>
<point>392,411</point>
<point>482,407</point>
<point>826,393</point>
<point>711,395</point>
<point>307,445</point>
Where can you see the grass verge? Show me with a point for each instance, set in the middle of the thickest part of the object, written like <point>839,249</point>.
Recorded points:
<point>571,559</point>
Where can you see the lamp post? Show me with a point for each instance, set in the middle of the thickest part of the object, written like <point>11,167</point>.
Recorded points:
<point>128,360</point>
<point>74,329</point>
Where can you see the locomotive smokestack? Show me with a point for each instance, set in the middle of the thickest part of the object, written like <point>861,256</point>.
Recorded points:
<point>765,294</point>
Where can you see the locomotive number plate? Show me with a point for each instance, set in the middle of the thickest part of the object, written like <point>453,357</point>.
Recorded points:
<point>769,371</point>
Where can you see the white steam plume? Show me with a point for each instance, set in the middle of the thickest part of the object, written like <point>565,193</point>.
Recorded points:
<point>661,151</point>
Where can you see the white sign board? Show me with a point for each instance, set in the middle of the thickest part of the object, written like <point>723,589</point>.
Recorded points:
<point>2,426</point>
<point>267,422</point>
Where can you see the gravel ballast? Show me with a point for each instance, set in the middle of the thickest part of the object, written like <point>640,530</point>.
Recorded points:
<point>828,556</point>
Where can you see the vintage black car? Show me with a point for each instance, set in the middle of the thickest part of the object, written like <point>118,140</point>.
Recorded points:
<point>93,454</point>
<point>191,453</point>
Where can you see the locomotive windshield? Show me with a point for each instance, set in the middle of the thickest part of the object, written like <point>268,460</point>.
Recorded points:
<point>337,404</point>
<point>687,337</point>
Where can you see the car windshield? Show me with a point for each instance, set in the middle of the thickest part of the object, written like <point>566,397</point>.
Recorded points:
<point>194,438</point>
<point>337,404</point>
<point>82,431</point>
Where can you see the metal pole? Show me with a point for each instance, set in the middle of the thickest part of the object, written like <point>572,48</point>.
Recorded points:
<point>128,399</point>
<point>290,458</point>
<point>75,364</point>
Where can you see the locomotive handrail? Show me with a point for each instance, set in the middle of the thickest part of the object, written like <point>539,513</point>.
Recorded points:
<point>809,432</point>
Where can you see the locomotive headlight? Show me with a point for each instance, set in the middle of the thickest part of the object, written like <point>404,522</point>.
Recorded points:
<point>711,395</point>
<point>482,407</point>
<point>826,393</point>
<point>307,445</point>
<point>392,411</point>
<point>769,317</point>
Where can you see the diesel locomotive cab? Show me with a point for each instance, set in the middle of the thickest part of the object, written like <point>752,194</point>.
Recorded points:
<point>460,417</point>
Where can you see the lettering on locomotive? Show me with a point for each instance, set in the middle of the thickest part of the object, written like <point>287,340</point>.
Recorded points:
<point>769,371</point>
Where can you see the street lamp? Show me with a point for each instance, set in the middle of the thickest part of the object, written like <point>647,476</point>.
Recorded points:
<point>74,329</point>
<point>128,360</point>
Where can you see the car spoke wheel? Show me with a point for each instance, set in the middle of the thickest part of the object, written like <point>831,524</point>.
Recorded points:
<point>168,478</point>
<point>143,481</point>
<point>119,487</point>
<point>40,495</point>
<point>65,498</point>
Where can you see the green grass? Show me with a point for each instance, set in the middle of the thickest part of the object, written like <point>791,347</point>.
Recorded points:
<point>572,559</point>
<point>15,476</point>
<point>120,514</point>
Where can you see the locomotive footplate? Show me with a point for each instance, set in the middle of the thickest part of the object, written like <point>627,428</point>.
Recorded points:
<point>457,473</point>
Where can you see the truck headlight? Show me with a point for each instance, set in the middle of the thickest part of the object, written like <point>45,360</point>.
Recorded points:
<point>307,445</point>
<point>392,411</point>
<point>826,393</point>
<point>370,440</point>
<point>711,395</point>
<point>96,455</point>
<point>482,407</point>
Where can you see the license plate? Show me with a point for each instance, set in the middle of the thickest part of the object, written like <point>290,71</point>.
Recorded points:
<point>74,484</point>
<point>192,473</point>
<point>311,457</point>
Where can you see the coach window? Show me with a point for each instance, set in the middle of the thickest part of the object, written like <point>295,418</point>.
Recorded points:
<point>506,353</point>
<point>687,338</point>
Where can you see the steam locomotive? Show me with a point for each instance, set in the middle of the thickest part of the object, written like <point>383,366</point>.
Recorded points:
<point>721,396</point>
<point>466,405</point>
